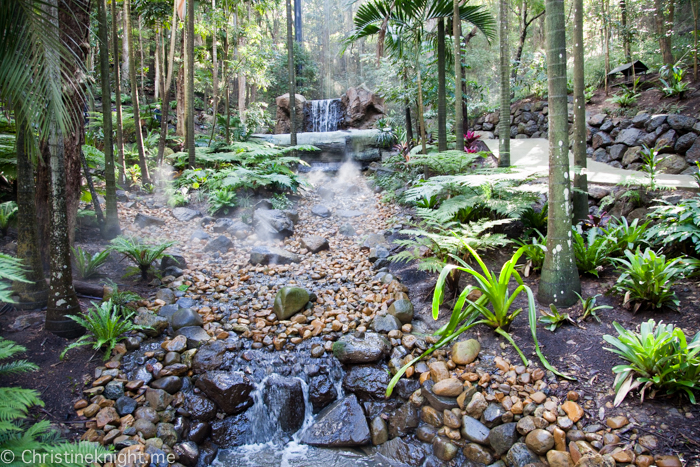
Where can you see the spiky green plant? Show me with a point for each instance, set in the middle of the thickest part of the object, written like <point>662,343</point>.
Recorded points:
<point>554,318</point>
<point>87,263</point>
<point>534,252</point>
<point>626,235</point>
<point>592,252</point>
<point>105,326</point>
<point>121,298</point>
<point>142,254</point>
<point>589,307</point>
<point>7,213</point>
<point>11,270</point>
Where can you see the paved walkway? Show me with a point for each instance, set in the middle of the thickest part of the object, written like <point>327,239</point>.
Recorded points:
<point>531,156</point>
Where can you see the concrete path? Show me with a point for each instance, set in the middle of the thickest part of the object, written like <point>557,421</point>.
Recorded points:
<point>531,156</point>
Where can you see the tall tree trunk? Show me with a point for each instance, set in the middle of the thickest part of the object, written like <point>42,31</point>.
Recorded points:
<point>110,229</point>
<point>442,99</point>
<point>504,122</point>
<point>157,59</point>
<point>559,279</point>
<point>227,80</point>
<point>143,90</point>
<point>664,23</point>
<point>605,5</point>
<point>524,27</point>
<point>145,177</point>
<point>626,43</point>
<point>421,119</point>
<point>298,36</point>
<point>465,102</point>
<point>292,78</point>
<point>189,98</point>
<point>457,52</point>
<point>118,94</point>
<point>167,82</point>
<point>125,53</point>
<point>580,194</point>
<point>215,75</point>
<point>32,294</point>
<point>409,124</point>
<point>695,5</point>
<point>62,299</point>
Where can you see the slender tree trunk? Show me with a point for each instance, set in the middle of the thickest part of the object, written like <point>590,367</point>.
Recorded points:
<point>292,78</point>
<point>118,95</point>
<point>457,52</point>
<point>409,124</point>
<point>93,194</point>
<point>145,177</point>
<point>62,299</point>
<point>143,90</point>
<point>215,77</point>
<point>664,23</point>
<point>156,74</point>
<point>559,279</point>
<point>504,122</point>
<point>626,45</point>
<point>110,229</point>
<point>694,5</point>
<point>421,119</point>
<point>167,82</point>
<point>524,27</point>
<point>32,294</point>
<point>189,97</point>
<point>580,194</point>
<point>125,53</point>
<point>442,99</point>
<point>606,42</point>
<point>227,80</point>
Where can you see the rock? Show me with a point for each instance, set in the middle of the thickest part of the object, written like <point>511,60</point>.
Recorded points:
<point>196,336</point>
<point>347,230</point>
<point>399,451</point>
<point>492,415</point>
<point>238,229</point>
<point>465,352</point>
<point>187,452</point>
<point>477,453</point>
<point>403,310</point>
<point>229,390</point>
<point>437,402</point>
<point>321,211</point>
<point>146,428</point>
<point>284,397</point>
<point>369,348</point>
<point>155,325</point>
<point>349,213</point>
<point>143,221</point>
<point>617,422</point>
<point>595,460</point>
<point>655,122</point>
<point>600,155</point>
<point>272,255</point>
<point>519,456</point>
<point>315,243</point>
<point>529,423</point>
<point>385,323</point>
<point>672,164</point>
<point>221,225</point>
<point>680,122</point>
<point>185,317</point>
<point>632,155</point>
<point>597,119</point>
<point>475,431</point>
<point>641,119</point>
<point>601,140</point>
<point>367,382</point>
<point>572,410</point>
<point>616,151</point>
<point>322,392</point>
<point>431,416</point>
<point>450,387</point>
<point>693,153</point>
<point>404,420</point>
<point>685,142</point>
<point>158,399</point>
<point>113,390</point>
<point>199,431</point>
<point>362,108</point>
<point>630,136</point>
<point>272,224</point>
<point>503,437</point>
<point>598,192</point>
<point>185,214</point>
<point>475,408</point>
<point>107,416</point>
<point>231,431</point>
<point>666,141</point>
<point>667,461</point>
<point>443,449</point>
<point>289,301</point>
<point>539,441</point>
<point>199,407</point>
<point>167,295</point>
<point>220,244</point>
<point>325,193</point>
<point>209,357</point>
<point>169,384</point>
<point>426,433</point>
<point>559,459</point>
<point>341,424</point>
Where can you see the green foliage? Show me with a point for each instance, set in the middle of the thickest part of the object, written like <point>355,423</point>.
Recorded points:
<point>534,252</point>
<point>592,251</point>
<point>589,307</point>
<point>659,357</point>
<point>445,163</point>
<point>647,278</point>
<point>553,319</point>
<point>142,254</point>
<point>626,236</point>
<point>281,202</point>
<point>105,328</point>
<point>222,201</point>
<point>386,138</point>
<point>308,80</point>
<point>671,78</point>
<point>121,299</point>
<point>8,210</point>
<point>11,269</point>
<point>677,225</point>
<point>87,263</point>
<point>535,220</point>
<point>8,156</point>
<point>626,98</point>
<point>651,160</point>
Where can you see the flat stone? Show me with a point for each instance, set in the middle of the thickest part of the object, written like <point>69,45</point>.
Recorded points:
<point>475,431</point>
<point>185,214</point>
<point>272,255</point>
<point>320,211</point>
<point>385,323</point>
<point>289,301</point>
<point>630,136</point>
<point>220,244</point>
<point>367,381</point>
<point>465,352</point>
<point>437,402</point>
<point>401,452</point>
<point>143,221</point>
<point>572,410</point>
<point>196,336</point>
<point>369,348</point>
<point>597,119</point>
<point>343,423</point>
<point>450,387</point>
<point>169,384</point>
<point>185,317</point>
<point>559,459</point>
<point>315,243</point>
<point>617,422</point>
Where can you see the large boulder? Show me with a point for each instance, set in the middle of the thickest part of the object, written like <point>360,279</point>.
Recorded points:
<point>343,423</point>
<point>367,382</point>
<point>229,390</point>
<point>144,220</point>
<point>271,223</point>
<point>283,124</point>
<point>272,255</point>
<point>231,431</point>
<point>362,108</point>
<point>284,397</point>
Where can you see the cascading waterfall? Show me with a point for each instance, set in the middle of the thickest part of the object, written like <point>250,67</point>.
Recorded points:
<point>325,115</point>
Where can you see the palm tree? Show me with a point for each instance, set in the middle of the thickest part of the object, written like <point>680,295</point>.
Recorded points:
<point>580,161</point>
<point>292,78</point>
<point>457,52</point>
<point>189,97</point>
<point>559,281</point>
<point>118,93</point>
<point>504,70</point>
<point>442,99</point>
<point>404,22</point>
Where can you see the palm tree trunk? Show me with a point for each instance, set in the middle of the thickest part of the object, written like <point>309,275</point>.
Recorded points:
<point>143,91</point>
<point>167,82</point>
<point>559,279</point>
<point>605,5</point>
<point>110,229</point>
<point>118,94</point>
<point>442,99</point>
<point>215,78</point>
<point>504,70</point>
<point>580,194</point>
<point>189,97</point>
<point>32,294</point>
<point>145,178</point>
<point>457,52</point>
<point>421,119</point>
<point>626,45</point>
<point>62,299</point>
<point>292,78</point>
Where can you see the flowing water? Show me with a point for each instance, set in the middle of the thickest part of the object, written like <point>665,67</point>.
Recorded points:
<point>325,115</point>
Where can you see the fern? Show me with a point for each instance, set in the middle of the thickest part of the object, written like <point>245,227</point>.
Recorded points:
<point>676,224</point>
<point>10,270</point>
<point>87,264</point>
<point>7,213</point>
<point>142,254</point>
<point>445,163</point>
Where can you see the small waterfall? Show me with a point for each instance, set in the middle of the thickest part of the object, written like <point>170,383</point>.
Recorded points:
<point>325,115</point>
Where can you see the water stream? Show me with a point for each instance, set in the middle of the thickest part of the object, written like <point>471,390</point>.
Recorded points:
<point>325,115</point>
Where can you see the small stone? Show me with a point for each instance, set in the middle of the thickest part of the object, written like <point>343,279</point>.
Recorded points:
<point>107,416</point>
<point>450,387</point>
<point>125,405</point>
<point>444,449</point>
<point>477,453</point>
<point>378,431</point>
<point>177,344</point>
<point>572,410</point>
<point>559,459</point>
<point>185,317</point>
<point>431,416</point>
<point>644,461</point>
<point>402,310</point>
<point>91,410</point>
<point>438,371</point>
<point>667,461</point>
<point>624,456</point>
<point>617,422</point>
<point>465,352</point>
<point>503,437</point>
<point>451,419</point>
<point>539,441</point>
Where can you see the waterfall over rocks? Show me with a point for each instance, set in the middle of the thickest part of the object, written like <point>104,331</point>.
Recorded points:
<point>324,115</point>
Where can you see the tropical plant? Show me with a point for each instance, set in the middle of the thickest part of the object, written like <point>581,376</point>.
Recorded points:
<point>105,327</point>
<point>659,357</point>
<point>626,98</point>
<point>592,252</point>
<point>671,77</point>
<point>121,298</point>
<point>627,236</point>
<point>553,319</point>
<point>535,220</point>
<point>651,158</point>
<point>534,252</point>
<point>696,174</point>
<point>647,279</point>
<point>87,263</point>
<point>676,225</point>
<point>589,307</point>
<point>445,163</point>
<point>597,221</point>
<point>8,210</point>
<point>142,254</point>
<point>222,201</point>
<point>11,270</point>
<point>280,201</point>
<point>386,138</point>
